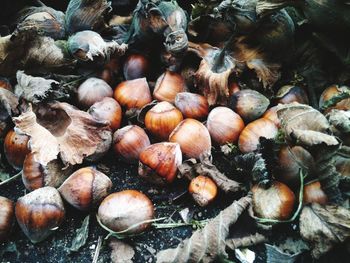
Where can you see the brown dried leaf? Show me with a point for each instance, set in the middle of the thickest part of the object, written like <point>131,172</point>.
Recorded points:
<point>302,122</point>
<point>209,243</point>
<point>8,104</point>
<point>60,128</point>
<point>121,252</point>
<point>191,169</point>
<point>324,227</point>
<point>246,241</point>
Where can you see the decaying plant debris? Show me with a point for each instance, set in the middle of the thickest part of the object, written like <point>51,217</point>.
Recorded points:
<point>77,80</point>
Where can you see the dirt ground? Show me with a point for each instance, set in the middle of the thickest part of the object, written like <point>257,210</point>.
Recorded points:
<point>168,202</point>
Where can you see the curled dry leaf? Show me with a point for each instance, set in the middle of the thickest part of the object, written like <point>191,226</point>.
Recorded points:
<point>340,122</point>
<point>86,15</point>
<point>213,72</point>
<point>305,125</point>
<point>72,133</point>
<point>8,104</point>
<point>324,227</point>
<point>191,169</point>
<point>309,128</point>
<point>207,244</point>
<point>37,89</point>
<point>45,20</point>
<point>121,252</point>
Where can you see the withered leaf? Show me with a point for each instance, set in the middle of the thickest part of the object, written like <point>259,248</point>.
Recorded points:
<point>82,234</point>
<point>121,252</point>
<point>324,227</point>
<point>67,131</point>
<point>209,243</point>
<point>8,104</point>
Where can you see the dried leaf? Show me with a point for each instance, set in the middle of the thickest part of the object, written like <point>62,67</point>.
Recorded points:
<point>8,104</point>
<point>268,73</point>
<point>45,20</point>
<point>207,244</point>
<point>72,133</point>
<point>309,128</point>
<point>38,89</point>
<point>304,123</point>
<point>191,169</point>
<point>86,15</point>
<point>324,227</point>
<point>82,234</point>
<point>340,122</point>
<point>121,252</point>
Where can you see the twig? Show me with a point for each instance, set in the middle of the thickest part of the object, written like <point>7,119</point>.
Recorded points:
<point>246,241</point>
<point>97,250</point>
<point>13,178</point>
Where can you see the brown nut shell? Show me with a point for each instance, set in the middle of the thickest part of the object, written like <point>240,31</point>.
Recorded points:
<point>129,142</point>
<point>249,104</point>
<point>276,202</point>
<point>91,91</point>
<point>16,148</point>
<point>271,114</point>
<point>224,125</point>
<point>36,175</point>
<point>136,66</point>
<point>39,213</point>
<point>331,92</point>
<point>249,138</point>
<point>7,217</point>
<point>85,188</point>
<point>192,105</point>
<point>289,93</point>
<point>193,137</point>
<point>168,85</point>
<point>158,162</point>
<point>203,190</point>
<point>122,210</point>
<point>108,109</point>
<point>162,119</point>
<point>290,161</point>
<point>313,193</point>
<point>133,93</point>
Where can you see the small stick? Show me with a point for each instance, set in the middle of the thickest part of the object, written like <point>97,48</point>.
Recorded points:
<point>98,249</point>
<point>13,178</point>
<point>247,241</point>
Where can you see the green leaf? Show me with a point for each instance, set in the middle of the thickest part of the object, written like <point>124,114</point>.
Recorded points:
<point>81,235</point>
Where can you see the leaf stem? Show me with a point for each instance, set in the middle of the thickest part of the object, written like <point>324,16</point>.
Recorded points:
<point>13,178</point>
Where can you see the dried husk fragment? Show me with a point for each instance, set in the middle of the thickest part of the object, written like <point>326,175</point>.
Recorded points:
<point>46,20</point>
<point>38,89</point>
<point>340,124</point>
<point>121,252</point>
<point>207,244</point>
<point>247,241</point>
<point>323,227</point>
<point>212,77</point>
<point>72,133</point>
<point>88,45</point>
<point>191,169</point>
<point>86,15</point>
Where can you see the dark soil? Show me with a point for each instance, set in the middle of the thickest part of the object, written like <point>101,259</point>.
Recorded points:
<point>168,202</point>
